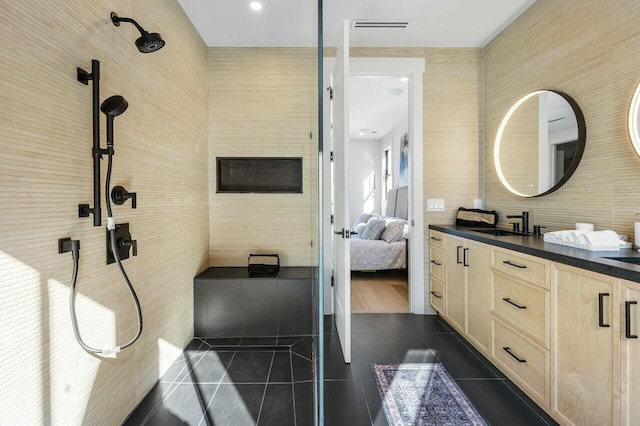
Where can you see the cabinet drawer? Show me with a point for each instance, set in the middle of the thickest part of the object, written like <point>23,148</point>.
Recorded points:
<point>436,239</point>
<point>437,295</point>
<point>522,305</point>
<point>436,262</point>
<point>524,362</point>
<point>520,265</point>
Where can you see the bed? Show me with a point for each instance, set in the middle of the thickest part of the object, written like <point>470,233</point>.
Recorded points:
<point>386,249</point>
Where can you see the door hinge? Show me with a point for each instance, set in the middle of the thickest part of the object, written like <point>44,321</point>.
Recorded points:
<point>331,156</point>
<point>332,219</point>
<point>330,89</point>
<point>310,135</point>
<point>333,281</point>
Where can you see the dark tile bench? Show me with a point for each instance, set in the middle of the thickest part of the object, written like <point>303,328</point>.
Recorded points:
<point>228,302</point>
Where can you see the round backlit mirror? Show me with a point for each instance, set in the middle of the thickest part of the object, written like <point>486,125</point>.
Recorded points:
<point>539,143</point>
<point>634,120</point>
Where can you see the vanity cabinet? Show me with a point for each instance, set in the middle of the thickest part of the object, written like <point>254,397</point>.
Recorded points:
<point>478,295</point>
<point>437,273</point>
<point>520,321</point>
<point>630,353</point>
<point>586,341</point>
<point>567,336</point>
<point>456,282</point>
<point>465,287</point>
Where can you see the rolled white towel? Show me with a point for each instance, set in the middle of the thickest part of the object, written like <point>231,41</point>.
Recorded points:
<point>582,238</point>
<point>602,238</point>
<point>563,236</point>
<point>572,237</point>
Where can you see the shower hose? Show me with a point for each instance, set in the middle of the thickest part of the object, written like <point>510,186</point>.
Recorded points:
<point>114,249</point>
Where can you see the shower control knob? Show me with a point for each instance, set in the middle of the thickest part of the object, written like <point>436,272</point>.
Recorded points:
<point>119,196</point>
<point>130,243</point>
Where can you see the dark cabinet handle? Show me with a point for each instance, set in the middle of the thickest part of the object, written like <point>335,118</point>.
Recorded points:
<point>627,315</point>
<point>510,352</point>
<point>601,310</point>
<point>464,257</point>
<point>510,263</point>
<point>436,263</point>
<point>506,299</point>
<point>436,239</point>
<point>435,295</point>
<point>458,254</point>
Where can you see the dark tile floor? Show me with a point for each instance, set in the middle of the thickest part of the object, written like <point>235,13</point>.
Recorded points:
<point>272,384</point>
<point>235,382</point>
<point>351,395</point>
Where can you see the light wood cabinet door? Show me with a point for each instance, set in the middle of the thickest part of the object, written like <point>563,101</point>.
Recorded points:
<point>455,282</point>
<point>436,262</point>
<point>630,353</point>
<point>436,239</point>
<point>478,294</point>
<point>584,353</point>
<point>437,295</point>
<point>522,305</point>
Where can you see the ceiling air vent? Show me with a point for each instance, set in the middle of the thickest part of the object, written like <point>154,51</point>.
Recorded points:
<point>378,23</point>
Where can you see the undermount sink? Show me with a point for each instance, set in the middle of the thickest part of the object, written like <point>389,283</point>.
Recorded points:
<point>501,232</point>
<point>633,260</point>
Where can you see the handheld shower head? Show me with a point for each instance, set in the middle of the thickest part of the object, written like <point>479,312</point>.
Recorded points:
<point>113,107</point>
<point>147,42</point>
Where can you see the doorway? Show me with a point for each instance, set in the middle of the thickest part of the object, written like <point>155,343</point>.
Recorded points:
<point>413,69</point>
<point>379,165</point>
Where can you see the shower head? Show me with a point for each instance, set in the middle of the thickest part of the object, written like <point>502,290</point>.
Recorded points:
<point>113,107</point>
<point>147,42</point>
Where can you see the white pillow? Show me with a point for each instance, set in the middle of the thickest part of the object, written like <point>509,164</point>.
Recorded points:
<point>393,232</point>
<point>373,230</point>
<point>359,228</point>
<point>364,218</point>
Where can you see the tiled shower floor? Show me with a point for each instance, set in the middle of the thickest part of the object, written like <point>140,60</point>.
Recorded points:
<point>243,381</point>
<point>239,382</point>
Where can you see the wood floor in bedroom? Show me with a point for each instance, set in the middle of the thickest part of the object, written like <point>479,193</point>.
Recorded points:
<point>379,292</point>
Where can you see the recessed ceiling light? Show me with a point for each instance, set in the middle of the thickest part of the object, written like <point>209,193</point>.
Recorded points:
<point>361,134</point>
<point>393,92</point>
<point>404,79</point>
<point>255,5</point>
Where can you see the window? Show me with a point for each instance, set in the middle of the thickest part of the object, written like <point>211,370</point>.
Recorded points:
<point>387,176</point>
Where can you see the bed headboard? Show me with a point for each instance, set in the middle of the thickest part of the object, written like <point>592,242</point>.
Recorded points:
<point>398,202</point>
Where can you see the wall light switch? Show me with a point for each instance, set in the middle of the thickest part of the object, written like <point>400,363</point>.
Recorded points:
<point>435,205</point>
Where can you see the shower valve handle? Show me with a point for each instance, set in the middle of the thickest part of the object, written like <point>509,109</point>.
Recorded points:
<point>119,195</point>
<point>130,243</point>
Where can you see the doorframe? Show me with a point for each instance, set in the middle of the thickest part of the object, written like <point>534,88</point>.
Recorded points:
<point>414,69</point>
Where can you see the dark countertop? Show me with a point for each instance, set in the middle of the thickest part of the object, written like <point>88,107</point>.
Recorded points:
<point>535,246</point>
<point>285,273</point>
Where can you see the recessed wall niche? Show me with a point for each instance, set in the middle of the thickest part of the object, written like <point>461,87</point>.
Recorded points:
<point>270,175</point>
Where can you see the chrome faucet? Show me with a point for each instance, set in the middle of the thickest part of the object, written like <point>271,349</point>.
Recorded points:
<point>525,221</point>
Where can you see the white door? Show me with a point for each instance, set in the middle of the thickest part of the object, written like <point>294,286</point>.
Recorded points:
<point>341,227</point>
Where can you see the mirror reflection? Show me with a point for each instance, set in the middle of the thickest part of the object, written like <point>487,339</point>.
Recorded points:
<point>539,143</point>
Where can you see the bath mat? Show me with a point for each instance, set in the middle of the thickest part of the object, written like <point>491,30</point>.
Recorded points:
<point>423,394</point>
